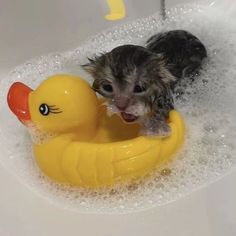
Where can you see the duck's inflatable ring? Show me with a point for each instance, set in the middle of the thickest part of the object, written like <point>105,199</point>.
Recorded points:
<point>89,149</point>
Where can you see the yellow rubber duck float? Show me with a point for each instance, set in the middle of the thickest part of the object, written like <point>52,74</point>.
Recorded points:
<point>88,148</point>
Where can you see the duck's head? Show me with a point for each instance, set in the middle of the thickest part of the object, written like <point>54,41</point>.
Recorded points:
<point>62,103</point>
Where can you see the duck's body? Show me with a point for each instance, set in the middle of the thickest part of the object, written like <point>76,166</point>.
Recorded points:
<point>97,151</point>
<point>105,163</point>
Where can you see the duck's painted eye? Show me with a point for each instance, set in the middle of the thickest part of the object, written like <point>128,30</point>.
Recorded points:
<point>44,109</point>
<point>139,89</point>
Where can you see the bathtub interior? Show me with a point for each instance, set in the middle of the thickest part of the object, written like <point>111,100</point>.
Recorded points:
<point>29,29</point>
<point>23,40</point>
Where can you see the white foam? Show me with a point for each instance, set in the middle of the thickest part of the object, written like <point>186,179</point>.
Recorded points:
<point>39,136</point>
<point>208,108</point>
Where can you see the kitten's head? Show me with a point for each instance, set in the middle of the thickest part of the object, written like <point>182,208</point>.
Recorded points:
<point>130,78</point>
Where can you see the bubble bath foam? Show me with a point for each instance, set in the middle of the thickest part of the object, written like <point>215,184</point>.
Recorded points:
<point>208,107</point>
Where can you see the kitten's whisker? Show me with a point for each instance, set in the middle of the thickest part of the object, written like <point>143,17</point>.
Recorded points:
<point>105,103</point>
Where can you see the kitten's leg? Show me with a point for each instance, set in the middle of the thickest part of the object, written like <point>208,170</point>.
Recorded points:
<point>155,126</point>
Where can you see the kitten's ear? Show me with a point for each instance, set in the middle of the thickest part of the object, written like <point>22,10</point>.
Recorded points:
<point>166,75</point>
<point>163,70</point>
<point>160,56</point>
<point>90,67</point>
<point>94,64</point>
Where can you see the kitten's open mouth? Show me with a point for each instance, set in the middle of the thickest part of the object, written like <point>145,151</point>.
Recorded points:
<point>128,117</point>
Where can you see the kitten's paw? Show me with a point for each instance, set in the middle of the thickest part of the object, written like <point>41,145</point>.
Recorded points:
<point>163,130</point>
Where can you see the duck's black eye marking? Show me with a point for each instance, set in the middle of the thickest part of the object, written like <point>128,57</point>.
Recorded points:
<point>45,109</point>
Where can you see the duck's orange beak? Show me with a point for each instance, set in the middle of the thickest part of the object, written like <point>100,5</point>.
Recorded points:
<point>18,101</point>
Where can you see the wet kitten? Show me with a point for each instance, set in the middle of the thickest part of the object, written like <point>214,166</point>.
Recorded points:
<point>138,81</point>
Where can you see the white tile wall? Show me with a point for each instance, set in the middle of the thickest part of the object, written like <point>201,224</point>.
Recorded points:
<point>31,28</point>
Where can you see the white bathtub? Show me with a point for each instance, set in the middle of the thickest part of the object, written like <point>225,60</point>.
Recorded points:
<point>31,28</point>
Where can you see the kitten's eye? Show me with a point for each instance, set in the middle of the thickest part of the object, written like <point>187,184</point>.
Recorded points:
<point>139,89</point>
<point>107,87</point>
<point>44,109</point>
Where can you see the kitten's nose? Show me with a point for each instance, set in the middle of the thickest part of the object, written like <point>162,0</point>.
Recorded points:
<point>122,104</point>
<point>121,107</point>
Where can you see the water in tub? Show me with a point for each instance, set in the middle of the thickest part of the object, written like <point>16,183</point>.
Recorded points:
<point>208,107</point>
